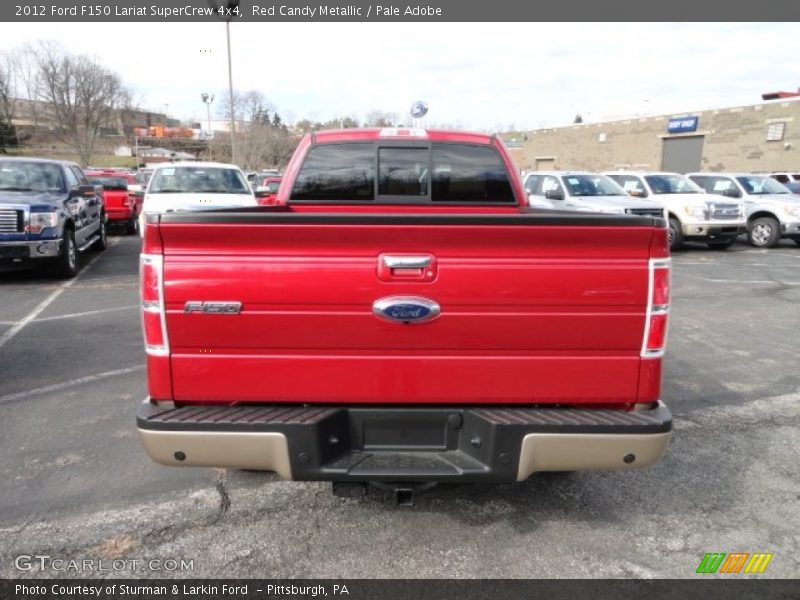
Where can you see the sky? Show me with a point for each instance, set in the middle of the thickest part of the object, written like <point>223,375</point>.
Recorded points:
<point>487,76</point>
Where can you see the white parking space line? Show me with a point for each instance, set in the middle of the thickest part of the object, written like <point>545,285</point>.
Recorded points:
<point>66,384</point>
<point>744,281</point>
<point>20,325</point>
<point>84,314</point>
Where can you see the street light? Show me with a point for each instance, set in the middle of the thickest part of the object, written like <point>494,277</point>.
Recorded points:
<point>207,100</point>
<point>227,9</point>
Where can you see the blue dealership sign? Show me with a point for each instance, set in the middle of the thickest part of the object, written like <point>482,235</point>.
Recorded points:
<point>682,124</point>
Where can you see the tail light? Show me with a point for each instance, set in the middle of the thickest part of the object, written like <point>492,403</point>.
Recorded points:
<point>655,328</point>
<point>151,273</point>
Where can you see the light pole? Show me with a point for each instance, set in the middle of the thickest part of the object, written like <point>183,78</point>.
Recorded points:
<point>227,10</point>
<point>207,100</point>
<point>230,88</point>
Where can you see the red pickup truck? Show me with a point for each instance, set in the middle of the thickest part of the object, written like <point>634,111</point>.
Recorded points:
<point>400,317</point>
<point>122,208</point>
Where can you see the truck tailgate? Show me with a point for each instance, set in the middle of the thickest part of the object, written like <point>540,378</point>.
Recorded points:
<point>533,309</point>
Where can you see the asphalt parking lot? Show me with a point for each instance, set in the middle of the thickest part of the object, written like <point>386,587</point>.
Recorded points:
<point>75,483</point>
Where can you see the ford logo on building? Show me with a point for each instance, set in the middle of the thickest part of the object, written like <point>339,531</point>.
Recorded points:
<point>406,309</point>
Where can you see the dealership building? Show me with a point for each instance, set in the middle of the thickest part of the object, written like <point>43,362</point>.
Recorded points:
<point>757,138</point>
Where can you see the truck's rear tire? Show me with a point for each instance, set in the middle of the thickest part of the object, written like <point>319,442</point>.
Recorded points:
<point>764,232</point>
<point>68,262</point>
<point>796,241</point>
<point>132,225</point>
<point>675,234</point>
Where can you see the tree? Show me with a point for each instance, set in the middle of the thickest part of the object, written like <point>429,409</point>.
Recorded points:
<point>578,119</point>
<point>377,118</point>
<point>82,94</point>
<point>8,95</point>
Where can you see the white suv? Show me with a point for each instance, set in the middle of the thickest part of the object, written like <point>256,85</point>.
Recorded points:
<point>693,216</point>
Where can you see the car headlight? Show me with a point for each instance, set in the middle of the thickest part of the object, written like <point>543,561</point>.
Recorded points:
<point>698,211</point>
<point>41,220</point>
<point>793,210</point>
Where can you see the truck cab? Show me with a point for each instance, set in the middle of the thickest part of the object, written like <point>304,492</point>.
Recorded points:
<point>773,211</point>
<point>692,216</point>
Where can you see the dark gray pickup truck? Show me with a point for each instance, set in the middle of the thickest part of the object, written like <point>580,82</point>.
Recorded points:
<point>49,213</point>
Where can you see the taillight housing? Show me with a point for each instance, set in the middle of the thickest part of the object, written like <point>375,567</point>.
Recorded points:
<point>151,277</point>
<point>655,328</point>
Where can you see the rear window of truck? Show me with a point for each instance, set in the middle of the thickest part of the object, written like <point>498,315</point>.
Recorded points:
<point>415,173</point>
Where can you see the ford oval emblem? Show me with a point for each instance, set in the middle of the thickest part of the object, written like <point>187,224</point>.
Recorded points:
<point>406,309</point>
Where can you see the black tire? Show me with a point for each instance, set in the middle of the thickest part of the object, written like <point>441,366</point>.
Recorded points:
<point>102,242</point>
<point>675,234</point>
<point>132,225</point>
<point>764,232</point>
<point>796,241</point>
<point>720,244</point>
<point>68,262</point>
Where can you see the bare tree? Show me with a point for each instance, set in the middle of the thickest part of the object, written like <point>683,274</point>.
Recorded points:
<point>82,94</point>
<point>378,118</point>
<point>8,101</point>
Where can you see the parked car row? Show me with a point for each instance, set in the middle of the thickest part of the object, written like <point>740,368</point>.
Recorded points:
<point>714,208</point>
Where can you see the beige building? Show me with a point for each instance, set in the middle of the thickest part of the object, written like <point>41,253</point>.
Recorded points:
<point>760,137</point>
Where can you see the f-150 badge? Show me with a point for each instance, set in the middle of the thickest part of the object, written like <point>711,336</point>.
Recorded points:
<point>213,308</point>
<point>406,309</point>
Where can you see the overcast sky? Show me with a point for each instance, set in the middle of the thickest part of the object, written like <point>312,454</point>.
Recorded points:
<point>477,75</point>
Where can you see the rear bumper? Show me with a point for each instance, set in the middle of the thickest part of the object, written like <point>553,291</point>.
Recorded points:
<point>119,214</point>
<point>359,444</point>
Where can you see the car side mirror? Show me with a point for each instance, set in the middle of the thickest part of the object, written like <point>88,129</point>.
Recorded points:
<point>732,193</point>
<point>554,195</point>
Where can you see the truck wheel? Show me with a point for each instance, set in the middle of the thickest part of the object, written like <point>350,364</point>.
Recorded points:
<point>67,264</point>
<point>797,241</point>
<point>132,226</point>
<point>720,245</point>
<point>102,242</point>
<point>675,234</point>
<point>764,232</point>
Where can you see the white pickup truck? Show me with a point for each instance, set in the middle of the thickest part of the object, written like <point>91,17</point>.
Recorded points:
<point>693,216</point>
<point>772,210</point>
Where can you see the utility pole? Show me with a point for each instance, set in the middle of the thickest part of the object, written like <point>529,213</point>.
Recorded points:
<point>230,91</point>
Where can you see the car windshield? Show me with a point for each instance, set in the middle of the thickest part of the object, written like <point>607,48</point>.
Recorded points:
<point>671,184</point>
<point>22,176</point>
<point>592,185</point>
<point>194,180</point>
<point>758,185</point>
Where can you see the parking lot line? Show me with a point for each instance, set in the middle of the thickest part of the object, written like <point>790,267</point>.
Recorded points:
<point>85,314</point>
<point>65,384</point>
<point>744,281</point>
<point>20,325</point>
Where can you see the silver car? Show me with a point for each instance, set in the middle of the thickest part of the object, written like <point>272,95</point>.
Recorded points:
<point>587,192</point>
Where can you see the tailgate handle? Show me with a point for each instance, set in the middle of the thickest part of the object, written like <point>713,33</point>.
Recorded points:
<point>407,262</point>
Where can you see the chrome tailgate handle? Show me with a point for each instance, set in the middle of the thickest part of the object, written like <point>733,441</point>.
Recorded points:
<point>407,262</point>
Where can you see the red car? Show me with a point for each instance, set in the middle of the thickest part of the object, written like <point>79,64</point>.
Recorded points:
<point>401,317</point>
<point>267,191</point>
<point>122,208</point>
